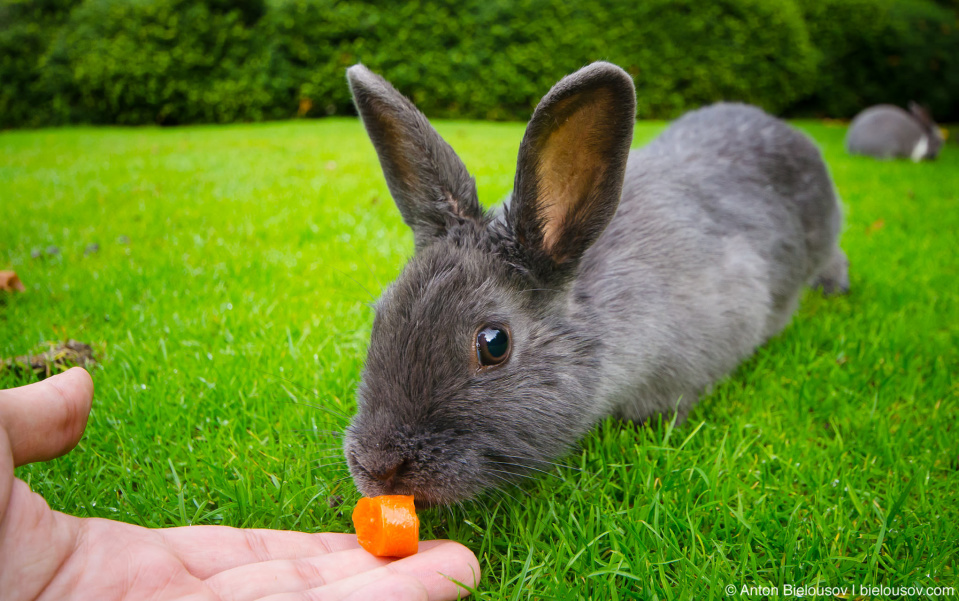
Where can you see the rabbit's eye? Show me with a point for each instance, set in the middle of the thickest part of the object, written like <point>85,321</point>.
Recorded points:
<point>492,345</point>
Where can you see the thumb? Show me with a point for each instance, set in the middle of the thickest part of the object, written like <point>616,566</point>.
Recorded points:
<point>45,420</point>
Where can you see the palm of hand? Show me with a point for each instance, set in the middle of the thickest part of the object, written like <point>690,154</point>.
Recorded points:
<point>45,554</point>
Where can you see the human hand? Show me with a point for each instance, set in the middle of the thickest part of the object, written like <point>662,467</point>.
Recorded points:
<point>45,554</point>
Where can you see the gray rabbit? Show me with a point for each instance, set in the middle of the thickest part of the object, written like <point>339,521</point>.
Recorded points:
<point>885,131</point>
<point>615,282</point>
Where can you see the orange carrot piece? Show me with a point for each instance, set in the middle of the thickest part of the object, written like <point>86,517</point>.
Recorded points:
<point>387,526</point>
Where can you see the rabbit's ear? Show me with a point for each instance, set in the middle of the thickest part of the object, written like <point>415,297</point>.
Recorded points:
<point>428,181</point>
<point>569,175</point>
<point>921,113</point>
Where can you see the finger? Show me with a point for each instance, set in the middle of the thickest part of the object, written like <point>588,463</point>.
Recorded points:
<point>435,569</point>
<point>239,547</point>
<point>256,580</point>
<point>440,569</point>
<point>46,419</point>
<point>395,587</point>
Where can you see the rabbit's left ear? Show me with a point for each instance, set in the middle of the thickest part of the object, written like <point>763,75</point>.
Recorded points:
<point>572,160</point>
<point>426,178</point>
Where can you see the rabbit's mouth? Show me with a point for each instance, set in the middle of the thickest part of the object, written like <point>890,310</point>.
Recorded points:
<point>429,488</point>
<point>424,497</point>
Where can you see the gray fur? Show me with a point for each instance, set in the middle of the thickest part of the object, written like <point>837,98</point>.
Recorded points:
<point>885,131</point>
<point>712,233</point>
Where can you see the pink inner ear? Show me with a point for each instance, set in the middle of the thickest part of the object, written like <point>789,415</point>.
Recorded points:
<point>571,164</point>
<point>394,137</point>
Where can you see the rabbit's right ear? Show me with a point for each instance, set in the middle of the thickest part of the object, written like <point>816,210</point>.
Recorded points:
<point>426,178</point>
<point>570,169</point>
<point>922,114</point>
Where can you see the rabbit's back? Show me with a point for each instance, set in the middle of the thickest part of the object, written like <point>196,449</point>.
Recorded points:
<point>886,131</point>
<point>723,218</point>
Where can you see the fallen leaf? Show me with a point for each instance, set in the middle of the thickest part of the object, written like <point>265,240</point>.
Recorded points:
<point>10,282</point>
<point>305,105</point>
<point>875,226</point>
<point>58,358</point>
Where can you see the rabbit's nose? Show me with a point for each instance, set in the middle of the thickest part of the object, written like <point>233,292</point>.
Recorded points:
<point>387,472</point>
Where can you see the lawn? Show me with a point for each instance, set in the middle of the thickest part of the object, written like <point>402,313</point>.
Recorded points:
<point>229,306</point>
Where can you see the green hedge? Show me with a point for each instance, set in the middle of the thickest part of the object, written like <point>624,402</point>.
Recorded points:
<point>193,61</point>
<point>150,61</point>
<point>26,28</point>
<point>495,59</point>
<point>872,51</point>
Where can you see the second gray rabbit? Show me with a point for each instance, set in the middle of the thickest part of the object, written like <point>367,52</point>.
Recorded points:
<point>614,283</point>
<point>885,131</point>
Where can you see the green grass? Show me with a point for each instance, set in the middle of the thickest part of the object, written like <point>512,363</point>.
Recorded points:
<point>232,328</point>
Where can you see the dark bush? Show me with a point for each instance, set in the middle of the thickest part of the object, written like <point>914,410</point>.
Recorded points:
<point>250,11</point>
<point>495,59</point>
<point>873,51</point>
<point>26,28</point>
<point>189,61</point>
<point>312,42</point>
<point>157,61</point>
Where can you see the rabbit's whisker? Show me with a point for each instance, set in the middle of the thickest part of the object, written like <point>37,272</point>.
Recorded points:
<point>333,464</point>
<point>325,457</point>
<point>527,467</point>
<point>553,463</point>
<point>338,480</point>
<point>336,449</point>
<point>330,410</point>
<point>316,431</point>
<point>302,389</point>
<point>355,281</point>
<point>313,449</point>
<point>508,482</point>
<point>502,490</point>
